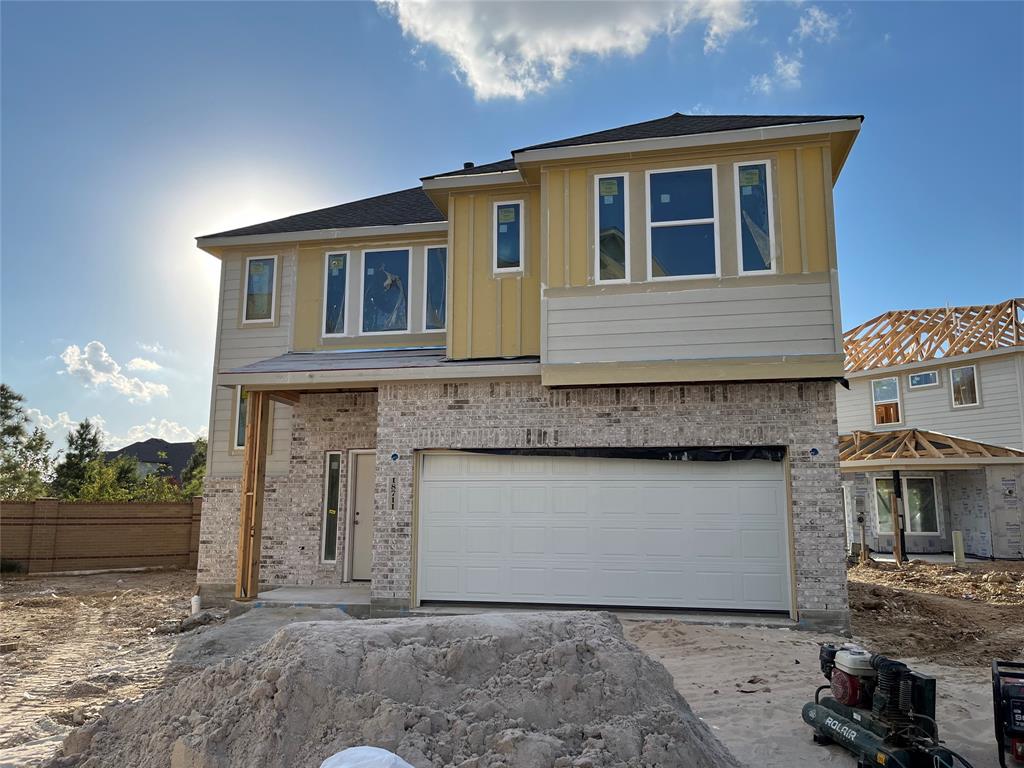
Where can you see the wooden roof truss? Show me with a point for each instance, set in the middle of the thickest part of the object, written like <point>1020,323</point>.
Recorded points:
<point>916,335</point>
<point>910,444</point>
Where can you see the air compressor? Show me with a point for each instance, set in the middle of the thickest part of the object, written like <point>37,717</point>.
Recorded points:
<point>879,709</point>
<point>1008,709</point>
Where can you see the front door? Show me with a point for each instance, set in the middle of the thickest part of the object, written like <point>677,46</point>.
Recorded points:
<point>361,513</point>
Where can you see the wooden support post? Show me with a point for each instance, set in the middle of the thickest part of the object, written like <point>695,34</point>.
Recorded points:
<point>897,541</point>
<point>250,526</point>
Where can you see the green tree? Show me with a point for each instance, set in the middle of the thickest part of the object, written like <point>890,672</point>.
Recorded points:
<point>83,448</point>
<point>195,470</point>
<point>25,461</point>
<point>104,481</point>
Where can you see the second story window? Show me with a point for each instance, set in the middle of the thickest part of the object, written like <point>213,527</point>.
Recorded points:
<point>755,228</point>
<point>964,384</point>
<point>335,287</point>
<point>508,236</point>
<point>885,397</point>
<point>611,217</point>
<point>385,306</point>
<point>923,379</point>
<point>682,232</point>
<point>259,289</point>
<point>434,280</point>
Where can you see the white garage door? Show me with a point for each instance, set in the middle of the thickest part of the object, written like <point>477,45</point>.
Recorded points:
<point>541,529</point>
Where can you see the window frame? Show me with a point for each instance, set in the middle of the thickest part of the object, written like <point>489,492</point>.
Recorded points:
<point>875,403</point>
<point>521,269</point>
<point>878,526</point>
<point>906,511</point>
<point>977,387</point>
<point>362,292</point>
<point>597,227</point>
<point>273,292</point>
<point>685,222</point>
<point>911,385</point>
<point>237,401</point>
<point>769,191</point>
<point>426,282</point>
<point>345,318</point>
<point>323,504</point>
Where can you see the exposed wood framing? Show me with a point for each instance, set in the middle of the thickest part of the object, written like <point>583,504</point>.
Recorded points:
<point>250,526</point>
<point>909,444</point>
<point>916,335</point>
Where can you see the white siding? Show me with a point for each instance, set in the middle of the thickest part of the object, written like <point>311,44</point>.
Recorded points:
<point>706,323</point>
<point>240,345</point>
<point>997,420</point>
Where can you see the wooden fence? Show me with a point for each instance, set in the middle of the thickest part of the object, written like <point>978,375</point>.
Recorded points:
<point>47,535</point>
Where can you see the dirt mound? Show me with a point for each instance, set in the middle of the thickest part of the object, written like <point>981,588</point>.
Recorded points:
<point>516,690</point>
<point>998,583</point>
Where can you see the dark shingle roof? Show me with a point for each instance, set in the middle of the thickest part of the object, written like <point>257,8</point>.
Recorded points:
<point>685,125</point>
<point>148,451</point>
<point>409,206</point>
<point>501,165</point>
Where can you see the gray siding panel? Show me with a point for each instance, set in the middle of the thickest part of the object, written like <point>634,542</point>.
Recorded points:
<point>696,324</point>
<point>240,345</point>
<point>997,420</point>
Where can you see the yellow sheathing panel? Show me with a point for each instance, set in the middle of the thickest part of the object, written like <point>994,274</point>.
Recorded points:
<point>579,229</point>
<point>555,196</point>
<point>460,213</point>
<point>752,369</point>
<point>485,289</point>
<point>789,212</point>
<point>815,217</point>
<point>529,285</point>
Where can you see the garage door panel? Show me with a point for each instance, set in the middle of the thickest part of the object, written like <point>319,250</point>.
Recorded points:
<point>604,532</point>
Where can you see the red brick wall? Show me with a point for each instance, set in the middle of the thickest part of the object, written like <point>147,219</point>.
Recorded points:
<point>49,535</point>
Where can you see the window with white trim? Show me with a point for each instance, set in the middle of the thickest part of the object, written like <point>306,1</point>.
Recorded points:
<point>885,398</point>
<point>332,507</point>
<point>923,379</point>
<point>611,223</point>
<point>755,225</point>
<point>883,503</point>
<point>922,507</point>
<point>260,273</point>
<point>682,223</point>
<point>963,382</point>
<point>385,306</point>
<point>335,290</point>
<point>241,414</point>
<point>508,236</point>
<point>435,276</point>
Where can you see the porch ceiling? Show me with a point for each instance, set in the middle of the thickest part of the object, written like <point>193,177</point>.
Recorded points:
<point>919,449</point>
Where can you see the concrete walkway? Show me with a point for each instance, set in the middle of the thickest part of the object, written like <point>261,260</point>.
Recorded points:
<point>317,597</point>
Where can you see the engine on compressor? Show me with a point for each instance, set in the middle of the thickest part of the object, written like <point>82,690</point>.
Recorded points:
<point>879,709</point>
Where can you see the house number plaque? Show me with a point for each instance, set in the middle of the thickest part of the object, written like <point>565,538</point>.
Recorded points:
<point>392,493</point>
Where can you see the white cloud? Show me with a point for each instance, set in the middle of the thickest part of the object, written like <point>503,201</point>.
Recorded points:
<point>63,420</point>
<point>512,50</point>
<point>156,348</point>
<point>816,24</point>
<point>785,74</point>
<point>700,109</point>
<point>142,364</point>
<point>165,429</point>
<point>96,368</point>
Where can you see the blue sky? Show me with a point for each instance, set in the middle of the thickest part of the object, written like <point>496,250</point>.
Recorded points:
<point>130,128</point>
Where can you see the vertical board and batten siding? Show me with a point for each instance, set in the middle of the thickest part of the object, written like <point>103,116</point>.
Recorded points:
<point>711,323</point>
<point>998,420</point>
<point>492,315</point>
<point>240,345</point>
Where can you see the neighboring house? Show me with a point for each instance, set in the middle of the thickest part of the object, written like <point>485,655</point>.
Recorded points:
<point>938,396</point>
<point>599,372</point>
<point>154,455</point>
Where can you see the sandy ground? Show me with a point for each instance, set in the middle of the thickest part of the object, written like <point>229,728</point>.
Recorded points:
<point>82,642</point>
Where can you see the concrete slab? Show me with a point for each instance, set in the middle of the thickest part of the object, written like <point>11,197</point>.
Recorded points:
<point>355,594</point>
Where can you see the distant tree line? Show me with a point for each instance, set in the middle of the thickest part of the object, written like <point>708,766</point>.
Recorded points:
<point>81,473</point>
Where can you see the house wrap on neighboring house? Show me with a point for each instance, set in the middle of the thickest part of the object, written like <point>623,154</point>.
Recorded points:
<point>937,395</point>
<point>599,372</point>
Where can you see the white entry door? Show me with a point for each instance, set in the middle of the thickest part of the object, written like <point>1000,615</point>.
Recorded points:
<point>596,531</point>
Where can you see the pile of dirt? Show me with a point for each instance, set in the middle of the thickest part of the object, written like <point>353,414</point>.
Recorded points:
<point>999,583</point>
<point>904,623</point>
<point>516,690</point>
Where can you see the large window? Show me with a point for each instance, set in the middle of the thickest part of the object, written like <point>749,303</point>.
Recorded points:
<point>434,291</point>
<point>885,397</point>
<point>883,503</point>
<point>332,503</point>
<point>682,232</point>
<point>259,289</point>
<point>964,384</point>
<point>385,307</point>
<point>508,236</point>
<point>922,508</point>
<point>755,227</point>
<point>611,219</point>
<point>241,416</point>
<point>335,288</point>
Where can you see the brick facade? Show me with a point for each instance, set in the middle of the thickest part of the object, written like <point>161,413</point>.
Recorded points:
<point>522,414</point>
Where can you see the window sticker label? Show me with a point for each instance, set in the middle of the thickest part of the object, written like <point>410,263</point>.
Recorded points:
<point>336,265</point>
<point>506,215</point>
<point>609,199</point>
<point>750,177</point>
<point>747,190</point>
<point>256,268</point>
<point>609,187</point>
<point>503,227</point>
<point>666,198</point>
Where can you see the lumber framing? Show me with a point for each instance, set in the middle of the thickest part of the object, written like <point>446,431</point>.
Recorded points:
<point>917,445</point>
<point>254,466</point>
<point>916,335</point>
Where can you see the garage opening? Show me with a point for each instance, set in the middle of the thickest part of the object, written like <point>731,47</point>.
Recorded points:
<point>661,528</point>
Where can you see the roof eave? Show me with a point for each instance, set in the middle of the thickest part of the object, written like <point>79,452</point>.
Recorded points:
<point>925,462</point>
<point>691,140</point>
<point>206,243</point>
<point>473,180</point>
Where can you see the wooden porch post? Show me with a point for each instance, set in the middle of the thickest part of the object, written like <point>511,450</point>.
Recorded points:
<point>250,526</point>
